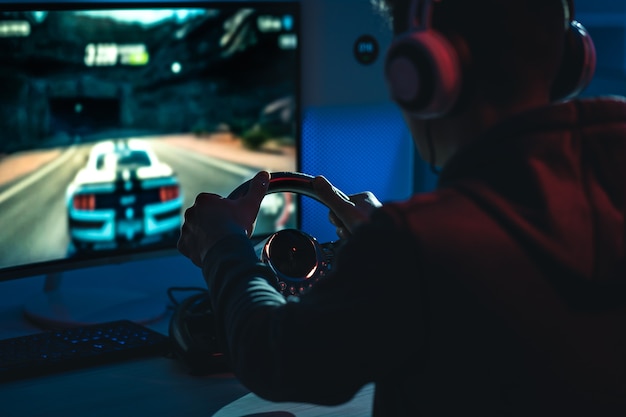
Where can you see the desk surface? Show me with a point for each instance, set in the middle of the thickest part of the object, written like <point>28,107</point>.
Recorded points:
<point>151,387</point>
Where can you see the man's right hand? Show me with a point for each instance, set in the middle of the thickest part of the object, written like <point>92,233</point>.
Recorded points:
<point>347,212</point>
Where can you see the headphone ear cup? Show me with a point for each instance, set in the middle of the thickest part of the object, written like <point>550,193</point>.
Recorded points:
<point>578,64</point>
<point>423,73</point>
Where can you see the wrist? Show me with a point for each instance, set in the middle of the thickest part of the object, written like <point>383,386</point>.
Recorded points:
<point>224,236</point>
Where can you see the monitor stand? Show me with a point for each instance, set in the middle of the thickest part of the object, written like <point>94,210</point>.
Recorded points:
<point>62,308</point>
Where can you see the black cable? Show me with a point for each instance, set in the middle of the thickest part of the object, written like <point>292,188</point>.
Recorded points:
<point>431,149</point>
<point>170,292</point>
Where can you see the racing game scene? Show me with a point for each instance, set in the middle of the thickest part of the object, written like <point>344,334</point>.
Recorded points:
<point>112,121</point>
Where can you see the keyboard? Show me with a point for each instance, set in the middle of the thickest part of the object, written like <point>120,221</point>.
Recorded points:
<point>56,351</point>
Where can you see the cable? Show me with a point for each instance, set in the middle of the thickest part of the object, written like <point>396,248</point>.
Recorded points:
<point>431,149</point>
<point>175,302</point>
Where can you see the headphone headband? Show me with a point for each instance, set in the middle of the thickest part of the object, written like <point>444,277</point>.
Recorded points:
<point>420,17</point>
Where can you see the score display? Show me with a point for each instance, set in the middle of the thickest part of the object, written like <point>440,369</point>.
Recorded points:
<point>110,54</point>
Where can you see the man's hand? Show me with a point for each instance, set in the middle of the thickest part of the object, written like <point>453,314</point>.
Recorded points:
<point>346,212</point>
<point>213,217</point>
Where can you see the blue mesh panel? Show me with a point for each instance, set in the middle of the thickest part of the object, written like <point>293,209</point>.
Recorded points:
<point>357,148</point>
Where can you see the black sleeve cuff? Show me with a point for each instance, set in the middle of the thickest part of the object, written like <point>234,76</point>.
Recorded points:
<point>238,283</point>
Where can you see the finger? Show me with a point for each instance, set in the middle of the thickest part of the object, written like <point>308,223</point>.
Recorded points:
<point>258,187</point>
<point>203,197</point>
<point>189,213</point>
<point>181,245</point>
<point>340,205</point>
<point>366,197</point>
<point>334,220</point>
<point>329,192</point>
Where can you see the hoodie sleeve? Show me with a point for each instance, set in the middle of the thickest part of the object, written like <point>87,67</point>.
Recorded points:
<point>326,345</point>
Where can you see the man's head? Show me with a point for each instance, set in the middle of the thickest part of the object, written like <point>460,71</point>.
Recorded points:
<point>506,47</point>
<point>509,54</point>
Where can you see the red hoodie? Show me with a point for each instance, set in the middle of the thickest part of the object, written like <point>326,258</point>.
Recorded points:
<point>528,223</point>
<point>503,292</point>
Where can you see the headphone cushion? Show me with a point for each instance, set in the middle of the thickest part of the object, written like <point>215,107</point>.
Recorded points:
<point>578,63</point>
<point>423,73</point>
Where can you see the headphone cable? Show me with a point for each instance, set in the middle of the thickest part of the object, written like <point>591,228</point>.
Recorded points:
<point>431,149</point>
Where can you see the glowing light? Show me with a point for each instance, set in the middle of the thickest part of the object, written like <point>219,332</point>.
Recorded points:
<point>269,24</point>
<point>14,28</point>
<point>102,54</point>
<point>288,41</point>
<point>288,22</point>
<point>133,54</point>
<point>108,54</point>
<point>146,17</point>
<point>40,15</point>
<point>84,202</point>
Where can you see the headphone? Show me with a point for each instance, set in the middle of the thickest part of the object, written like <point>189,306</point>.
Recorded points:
<point>579,58</point>
<point>423,68</point>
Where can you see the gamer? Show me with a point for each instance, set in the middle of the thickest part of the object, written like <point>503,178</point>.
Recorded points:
<point>499,293</point>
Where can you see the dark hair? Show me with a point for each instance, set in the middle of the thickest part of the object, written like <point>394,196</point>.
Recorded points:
<point>511,43</point>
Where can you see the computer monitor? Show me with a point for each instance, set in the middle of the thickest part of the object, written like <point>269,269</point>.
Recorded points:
<point>115,115</point>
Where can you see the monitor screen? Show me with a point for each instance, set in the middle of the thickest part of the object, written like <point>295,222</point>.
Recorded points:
<point>114,116</point>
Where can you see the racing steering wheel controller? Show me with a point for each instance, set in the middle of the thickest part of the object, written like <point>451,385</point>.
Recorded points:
<point>298,259</point>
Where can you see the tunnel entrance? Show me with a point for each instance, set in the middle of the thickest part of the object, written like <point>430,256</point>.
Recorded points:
<point>84,115</point>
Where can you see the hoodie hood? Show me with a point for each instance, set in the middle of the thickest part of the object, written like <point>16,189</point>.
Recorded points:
<point>560,186</point>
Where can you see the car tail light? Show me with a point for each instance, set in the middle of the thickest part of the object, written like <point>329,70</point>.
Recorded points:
<point>169,192</point>
<point>84,202</point>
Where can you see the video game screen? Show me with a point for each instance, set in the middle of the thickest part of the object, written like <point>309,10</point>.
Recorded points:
<point>112,120</point>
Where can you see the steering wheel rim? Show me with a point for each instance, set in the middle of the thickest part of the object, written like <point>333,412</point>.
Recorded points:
<point>284,181</point>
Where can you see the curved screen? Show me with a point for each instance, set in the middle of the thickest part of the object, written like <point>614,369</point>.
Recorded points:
<point>113,117</point>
